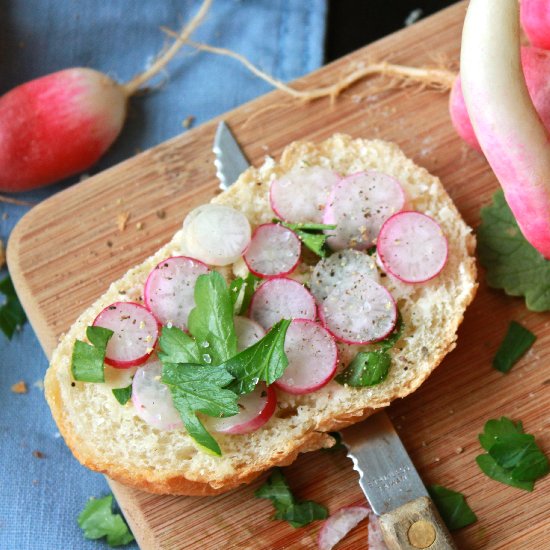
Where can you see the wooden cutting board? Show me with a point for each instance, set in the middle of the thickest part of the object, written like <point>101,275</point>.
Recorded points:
<point>65,252</point>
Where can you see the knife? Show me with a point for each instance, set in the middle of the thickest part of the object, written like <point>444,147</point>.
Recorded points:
<point>387,476</point>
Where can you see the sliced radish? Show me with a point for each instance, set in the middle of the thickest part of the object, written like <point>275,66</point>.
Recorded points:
<point>312,358</point>
<point>248,332</point>
<point>376,538</point>
<point>331,272</point>
<point>358,206</point>
<point>359,311</point>
<point>216,234</point>
<point>118,378</point>
<point>256,408</point>
<point>412,247</point>
<point>301,195</point>
<point>169,289</point>
<point>281,298</point>
<point>273,251</point>
<point>135,333</point>
<point>152,399</point>
<point>339,524</point>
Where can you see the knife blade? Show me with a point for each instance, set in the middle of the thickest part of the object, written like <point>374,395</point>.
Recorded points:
<point>387,476</point>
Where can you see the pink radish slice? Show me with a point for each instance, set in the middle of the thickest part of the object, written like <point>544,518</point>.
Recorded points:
<point>301,195</point>
<point>535,20</point>
<point>281,298</point>
<point>312,358</point>
<point>358,206</point>
<point>331,272</point>
<point>217,234</point>
<point>339,524</point>
<point>135,333</point>
<point>273,251</point>
<point>152,399</point>
<point>359,311</point>
<point>248,332</point>
<point>169,289</point>
<point>412,247</point>
<point>256,408</point>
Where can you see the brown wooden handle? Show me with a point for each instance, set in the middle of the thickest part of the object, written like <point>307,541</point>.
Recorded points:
<point>416,525</point>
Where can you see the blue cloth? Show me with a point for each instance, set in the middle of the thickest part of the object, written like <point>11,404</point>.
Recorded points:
<point>40,498</point>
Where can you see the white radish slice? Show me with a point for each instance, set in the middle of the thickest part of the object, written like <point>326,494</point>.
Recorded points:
<point>281,298</point>
<point>169,289</point>
<point>273,251</point>
<point>358,206</point>
<point>135,333</point>
<point>339,524</point>
<point>256,408</point>
<point>376,538</point>
<point>312,358</point>
<point>217,234</point>
<point>359,311</point>
<point>331,272</point>
<point>118,378</point>
<point>248,332</point>
<point>412,247</point>
<point>301,195</point>
<point>152,399</point>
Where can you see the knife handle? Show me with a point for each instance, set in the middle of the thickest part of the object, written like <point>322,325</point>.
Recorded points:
<point>415,525</point>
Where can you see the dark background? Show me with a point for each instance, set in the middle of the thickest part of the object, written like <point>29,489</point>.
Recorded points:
<point>355,23</point>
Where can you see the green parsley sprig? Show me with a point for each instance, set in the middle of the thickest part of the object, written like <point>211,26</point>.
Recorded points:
<point>452,507</point>
<point>517,341</point>
<point>87,361</point>
<point>311,234</point>
<point>12,316</point>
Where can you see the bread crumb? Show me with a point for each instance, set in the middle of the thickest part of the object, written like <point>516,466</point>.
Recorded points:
<point>121,220</point>
<point>2,253</point>
<point>5,216</point>
<point>188,121</point>
<point>38,454</point>
<point>459,450</point>
<point>161,214</point>
<point>139,226</point>
<point>19,387</point>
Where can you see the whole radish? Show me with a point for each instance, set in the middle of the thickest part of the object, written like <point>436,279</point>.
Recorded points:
<point>509,130</point>
<point>62,123</point>
<point>535,20</point>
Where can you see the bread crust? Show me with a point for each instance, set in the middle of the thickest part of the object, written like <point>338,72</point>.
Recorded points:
<point>179,481</point>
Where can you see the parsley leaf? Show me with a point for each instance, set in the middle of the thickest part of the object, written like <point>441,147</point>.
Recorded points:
<point>97,520</point>
<point>368,368</point>
<point>516,342</point>
<point>210,322</point>
<point>200,388</point>
<point>311,234</point>
<point>178,347</point>
<point>452,506</point>
<point>511,262</point>
<point>297,514</point>
<point>12,316</point>
<point>241,292</point>
<point>123,395</point>
<point>265,360</point>
<point>87,360</point>
<point>390,341</point>
<point>514,458</point>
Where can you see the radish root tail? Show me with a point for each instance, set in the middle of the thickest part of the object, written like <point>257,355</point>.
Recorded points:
<point>132,86</point>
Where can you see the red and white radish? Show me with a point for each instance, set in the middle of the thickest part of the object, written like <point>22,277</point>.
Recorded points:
<point>358,206</point>
<point>339,524</point>
<point>412,247</point>
<point>273,251</point>
<point>135,333</point>
<point>312,358</point>
<point>217,234</point>
<point>60,124</point>
<point>118,378</point>
<point>152,399</point>
<point>506,123</point>
<point>536,67</point>
<point>359,311</point>
<point>169,289</point>
<point>248,332</point>
<point>301,195</point>
<point>331,272</point>
<point>256,408</point>
<point>281,298</point>
<point>535,20</point>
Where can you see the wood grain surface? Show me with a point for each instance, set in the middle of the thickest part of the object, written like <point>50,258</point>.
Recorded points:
<point>66,251</point>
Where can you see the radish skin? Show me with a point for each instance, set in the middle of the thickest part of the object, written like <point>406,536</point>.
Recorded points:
<point>508,128</point>
<point>57,125</point>
<point>535,20</point>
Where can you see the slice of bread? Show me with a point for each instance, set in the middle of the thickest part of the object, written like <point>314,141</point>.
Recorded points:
<point>112,439</point>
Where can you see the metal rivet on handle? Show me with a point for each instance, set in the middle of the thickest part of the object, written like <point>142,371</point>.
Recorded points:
<point>421,534</point>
